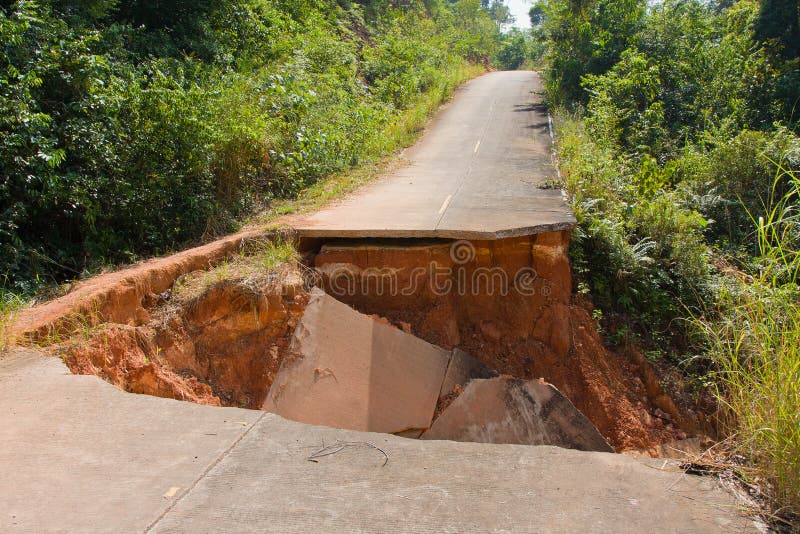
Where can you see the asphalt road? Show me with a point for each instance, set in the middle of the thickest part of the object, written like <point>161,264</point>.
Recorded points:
<point>79,455</point>
<point>477,173</point>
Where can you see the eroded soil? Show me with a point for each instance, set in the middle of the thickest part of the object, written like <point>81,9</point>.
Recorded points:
<point>220,347</point>
<point>224,344</point>
<point>543,332</point>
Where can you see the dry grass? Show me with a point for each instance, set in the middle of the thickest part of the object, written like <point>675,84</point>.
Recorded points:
<point>9,304</point>
<point>756,348</point>
<point>262,262</point>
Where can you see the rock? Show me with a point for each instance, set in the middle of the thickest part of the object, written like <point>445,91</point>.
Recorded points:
<point>292,284</point>
<point>346,370</point>
<point>490,330</point>
<point>508,410</point>
<point>462,369</point>
<point>662,414</point>
<point>555,329</point>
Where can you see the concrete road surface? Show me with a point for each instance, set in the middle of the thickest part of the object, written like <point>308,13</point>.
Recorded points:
<point>476,173</point>
<point>79,455</point>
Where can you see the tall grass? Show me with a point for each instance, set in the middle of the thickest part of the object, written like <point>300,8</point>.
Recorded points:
<point>10,302</point>
<point>756,348</point>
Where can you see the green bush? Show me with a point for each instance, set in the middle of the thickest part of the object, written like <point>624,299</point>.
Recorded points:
<point>129,129</point>
<point>515,49</point>
<point>639,247</point>
<point>733,181</point>
<point>625,108</point>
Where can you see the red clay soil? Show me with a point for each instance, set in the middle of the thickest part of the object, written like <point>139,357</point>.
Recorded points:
<point>122,354</point>
<point>124,296</point>
<point>620,393</point>
<point>538,333</point>
<point>222,347</point>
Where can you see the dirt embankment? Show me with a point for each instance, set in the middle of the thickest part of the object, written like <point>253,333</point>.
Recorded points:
<point>531,327</point>
<point>122,297</point>
<point>222,346</point>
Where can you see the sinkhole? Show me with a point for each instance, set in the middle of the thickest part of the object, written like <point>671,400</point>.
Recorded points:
<point>425,338</point>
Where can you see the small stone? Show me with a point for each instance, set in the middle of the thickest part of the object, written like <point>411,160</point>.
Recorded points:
<point>662,414</point>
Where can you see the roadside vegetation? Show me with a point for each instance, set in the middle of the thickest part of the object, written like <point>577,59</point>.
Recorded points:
<point>677,128</point>
<point>755,346</point>
<point>134,128</point>
<point>129,129</point>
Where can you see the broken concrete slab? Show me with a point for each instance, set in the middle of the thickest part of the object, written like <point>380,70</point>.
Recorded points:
<point>267,484</point>
<point>347,370</point>
<point>80,455</point>
<point>461,370</point>
<point>509,410</point>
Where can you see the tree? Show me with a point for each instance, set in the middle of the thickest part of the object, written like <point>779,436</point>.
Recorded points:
<point>500,13</point>
<point>586,37</point>
<point>536,14</point>
<point>514,50</point>
<point>779,22</point>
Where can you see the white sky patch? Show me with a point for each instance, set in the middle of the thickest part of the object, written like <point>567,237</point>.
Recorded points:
<point>520,9</point>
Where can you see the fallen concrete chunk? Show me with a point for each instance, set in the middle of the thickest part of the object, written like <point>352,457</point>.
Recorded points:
<point>461,370</point>
<point>509,410</point>
<point>346,370</point>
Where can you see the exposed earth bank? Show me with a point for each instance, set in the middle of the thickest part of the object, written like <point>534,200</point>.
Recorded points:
<point>224,343</point>
<point>220,347</point>
<point>529,326</point>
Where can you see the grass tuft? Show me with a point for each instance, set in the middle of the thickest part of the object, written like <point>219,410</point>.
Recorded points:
<point>261,263</point>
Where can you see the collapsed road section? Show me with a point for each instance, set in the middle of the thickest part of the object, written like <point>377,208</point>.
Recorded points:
<point>348,370</point>
<point>442,354</point>
<point>313,359</point>
<point>447,310</point>
<point>509,303</point>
